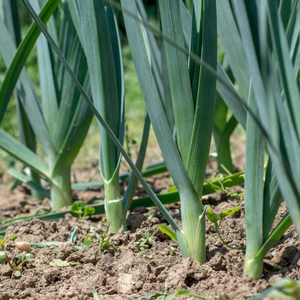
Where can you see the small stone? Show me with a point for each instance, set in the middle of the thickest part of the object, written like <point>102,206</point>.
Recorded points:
<point>138,285</point>
<point>147,287</point>
<point>233,243</point>
<point>289,252</point>
<point>23,246</point>
<point>23,203</point>
<point>154,221</point>
<point>158,270</point>
<point>218,244</point>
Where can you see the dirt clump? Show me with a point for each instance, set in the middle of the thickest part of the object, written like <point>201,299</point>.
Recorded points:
<point>128,269</point>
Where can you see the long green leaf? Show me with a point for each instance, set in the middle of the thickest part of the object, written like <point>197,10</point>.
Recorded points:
<point>159,69</point>
<point>285,67</point>
<point>28,97</point>
<point>50,102</point>
<point>102,70</point>
<point>181,92</point>
<point>71,103</point>
<point>204,111</point>
<point>233,46</point>
<point>272,200</point>
<point>22,153</point>
<point>22,177</point>
<point>12,20</point>
<point>19,60</point>
<point>253,63</point>
<point>254,187</point>
<point>66,40</point>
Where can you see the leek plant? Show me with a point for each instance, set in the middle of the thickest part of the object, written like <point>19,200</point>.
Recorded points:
<point>99,34</point>
<point>61,120</point>
<point>224,122</point>
<point>193,99</point>
<point>263,53</point>
<point>222,129</point>
<point>97,28</point>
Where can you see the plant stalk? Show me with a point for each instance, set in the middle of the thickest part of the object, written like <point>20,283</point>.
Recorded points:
<point>36,178</point>
<point>113,203</point>
<point>61,193</point>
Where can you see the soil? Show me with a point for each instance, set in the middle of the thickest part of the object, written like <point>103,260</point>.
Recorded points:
<point>126,270</point>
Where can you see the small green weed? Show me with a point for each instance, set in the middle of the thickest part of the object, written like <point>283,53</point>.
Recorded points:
<point>215,218</point>
<point>142,254</point>
<point>222,189</point>
<point>24,257</point>
<point>82,209</point>
<point>104,239</point>
<point>147,239</point>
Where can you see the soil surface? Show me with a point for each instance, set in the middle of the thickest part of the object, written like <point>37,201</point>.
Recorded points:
<point>128,269</point>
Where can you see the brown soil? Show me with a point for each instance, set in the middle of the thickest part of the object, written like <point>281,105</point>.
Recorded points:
<point>127,271</point>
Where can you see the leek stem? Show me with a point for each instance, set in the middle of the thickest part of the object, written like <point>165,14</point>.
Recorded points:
<point>113,203</point>
<point>61,193</point>
<point>253,267</point>
<point>36,178</point>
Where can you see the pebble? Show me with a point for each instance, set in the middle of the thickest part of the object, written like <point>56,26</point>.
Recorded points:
<point>218,244</point>
<point>23,246</point>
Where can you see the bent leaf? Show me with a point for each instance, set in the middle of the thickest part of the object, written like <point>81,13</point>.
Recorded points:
<point>168,232</point>
<point>228,212</point>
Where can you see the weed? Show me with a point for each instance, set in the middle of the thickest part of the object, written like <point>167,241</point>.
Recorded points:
<point>104,239</point>
<point>215,218</point>
<point>147,239</point>
<point>82,209</point>
<point>24,257</point>
<point>142,254</point>
<point>222,189</point>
